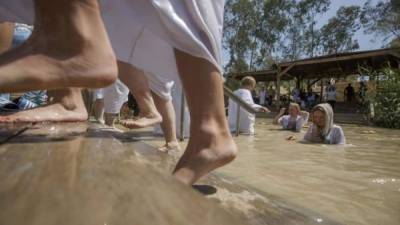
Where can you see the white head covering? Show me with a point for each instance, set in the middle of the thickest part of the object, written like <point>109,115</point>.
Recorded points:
<point>327,110</point>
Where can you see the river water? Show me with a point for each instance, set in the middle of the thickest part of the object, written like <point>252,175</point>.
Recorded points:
<point>356,184</point>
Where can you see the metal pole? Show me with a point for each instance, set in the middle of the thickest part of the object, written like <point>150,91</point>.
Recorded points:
<point>322,90</point>
<point>182,119</point>
<point>237,119</point>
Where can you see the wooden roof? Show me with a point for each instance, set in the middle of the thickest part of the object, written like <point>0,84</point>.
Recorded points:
<point>335,65</point>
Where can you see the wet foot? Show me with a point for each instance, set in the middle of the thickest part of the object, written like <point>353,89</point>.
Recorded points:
<point>55,112</point>
<point>90,68</point>
<point>142,122</point>
<point>170,146</point>
<point>205,153</point>
<point>64,51</point>
<point>67,106</point>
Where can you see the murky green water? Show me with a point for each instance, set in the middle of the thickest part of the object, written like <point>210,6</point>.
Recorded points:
<point>358,184</point>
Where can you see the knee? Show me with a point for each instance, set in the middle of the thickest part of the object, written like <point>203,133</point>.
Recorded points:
<point>108,78</point>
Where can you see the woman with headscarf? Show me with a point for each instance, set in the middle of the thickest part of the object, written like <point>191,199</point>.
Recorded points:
<point>323,130</point>
<point>295,120</point>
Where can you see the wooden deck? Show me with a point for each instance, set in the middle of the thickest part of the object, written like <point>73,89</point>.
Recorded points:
<point>81,173</point>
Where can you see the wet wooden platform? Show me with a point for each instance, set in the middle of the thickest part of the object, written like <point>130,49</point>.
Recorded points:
<point>81,173</point>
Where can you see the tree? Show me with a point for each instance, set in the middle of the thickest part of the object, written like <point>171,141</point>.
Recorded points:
<point>258,33</point>
<point>274,21</point>
<point>387,99</point>
<point>395,43</point>
<point>383,18</point>
<point>337,34</point>
<point>293,47</point>
<point>302,38</point>
<point>310,9</point>
<point>240,20</point>
<point>252,31</point>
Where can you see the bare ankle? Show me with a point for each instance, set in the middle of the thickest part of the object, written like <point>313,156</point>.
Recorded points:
<point>216,138</point>
<point>151,115</point>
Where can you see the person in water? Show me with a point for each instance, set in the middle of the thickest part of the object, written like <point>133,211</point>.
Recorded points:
<point>295,120</point>
<point>323,130</point>
<point>246,119</point>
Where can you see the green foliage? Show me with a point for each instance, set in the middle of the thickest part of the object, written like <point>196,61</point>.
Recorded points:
<point>252,30</point>
<point>387,99</point>
<point>337,34</point>
<point>308,11</point>
<point>240,25</point>
<point>395,43</point>
<point>382,18</point>
<point>258,33</point>
<point>232,83</point>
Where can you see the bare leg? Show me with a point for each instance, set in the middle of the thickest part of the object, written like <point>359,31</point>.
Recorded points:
<point>210,145</point>
<point>6,35</point>
<point>167,112</point>
<point>67,106</point>
<point>69,45</point>
<point>137,83</point>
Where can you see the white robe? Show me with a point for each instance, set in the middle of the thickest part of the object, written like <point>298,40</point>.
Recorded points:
<point>335,136</point>
<point>263,97</point>
<point>298,122</point>
<point>192,26</point>
<point>145,32</point>
<point>246,119</point>
<point>177,103</point>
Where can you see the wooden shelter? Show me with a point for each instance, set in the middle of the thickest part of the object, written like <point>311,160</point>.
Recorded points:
<point>328,66</point>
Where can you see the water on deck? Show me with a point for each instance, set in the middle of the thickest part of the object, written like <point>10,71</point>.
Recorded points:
<point>82,174</point>
<point>357,184</point>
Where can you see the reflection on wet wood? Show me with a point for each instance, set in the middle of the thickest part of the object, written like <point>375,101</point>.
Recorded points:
<point>258,208</point>
<point>85,174</point>
<point>75,174</point>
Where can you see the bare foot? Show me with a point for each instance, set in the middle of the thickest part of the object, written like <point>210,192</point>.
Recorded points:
<point>205,152</point>
<point>170,146</point>
<point>67,106</point>
<point>76,54</point>
<point>55,112</point>
<point>142,122</point>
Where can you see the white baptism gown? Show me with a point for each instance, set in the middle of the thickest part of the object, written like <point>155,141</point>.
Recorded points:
<point>246,119</point>
<point>192,26</point>
<point>145,32</point>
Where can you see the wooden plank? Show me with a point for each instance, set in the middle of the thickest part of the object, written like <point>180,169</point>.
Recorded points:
<point>313,82</point>
<point>75,174</point>
<point>257,207</point>
<point>9,131</point>
<point>303,65</point>
<point>278,88</point>
<point>84,174</point>
<point>339,58</point>
<point>286,70</point>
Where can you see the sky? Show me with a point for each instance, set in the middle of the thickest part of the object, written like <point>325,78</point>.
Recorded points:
<point>363,39</point>
<point>366,42</point>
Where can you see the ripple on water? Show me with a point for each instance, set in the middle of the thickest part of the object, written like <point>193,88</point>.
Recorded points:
<point>342,182</point>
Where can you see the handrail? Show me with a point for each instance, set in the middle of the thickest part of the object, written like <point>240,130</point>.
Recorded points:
<point>182,119</point>
<point>229,93</point>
